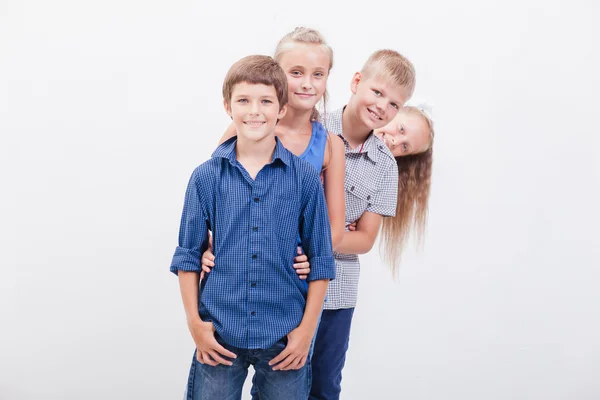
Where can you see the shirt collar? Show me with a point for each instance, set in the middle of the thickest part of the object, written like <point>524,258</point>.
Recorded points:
<point>227,150</point>
<point>371,146</point>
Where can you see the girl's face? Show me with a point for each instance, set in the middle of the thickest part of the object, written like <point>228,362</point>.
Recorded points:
<point>307,69</point>
<point>407,134</point>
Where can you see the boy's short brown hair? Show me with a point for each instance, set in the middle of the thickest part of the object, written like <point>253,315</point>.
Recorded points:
<point>257,70</point>
<point>391,66</point>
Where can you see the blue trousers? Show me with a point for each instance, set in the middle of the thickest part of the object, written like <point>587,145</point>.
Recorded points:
<point>329,354</point>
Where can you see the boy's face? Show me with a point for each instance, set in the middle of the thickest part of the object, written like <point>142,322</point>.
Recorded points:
<point>407,134</point>
<point>254,109</point>
<point>375,102</point>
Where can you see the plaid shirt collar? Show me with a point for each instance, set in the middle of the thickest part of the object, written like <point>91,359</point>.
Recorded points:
<point>372,146</point>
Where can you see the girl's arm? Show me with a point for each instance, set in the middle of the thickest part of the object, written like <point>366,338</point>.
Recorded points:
<point>361,241</point>
<point>334,187</point>
<point>229,133</point>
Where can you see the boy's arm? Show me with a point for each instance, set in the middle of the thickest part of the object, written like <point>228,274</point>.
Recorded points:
<point>193,239</point>
<point>362,239</point>
<point>208,350</point>
<point>193,230</point>
<point>383,205</point>
<point>295,354</point>
<point>314,304</point>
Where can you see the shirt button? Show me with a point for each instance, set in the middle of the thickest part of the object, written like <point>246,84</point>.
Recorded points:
<point>253,284</point>
<point>369,197</point>
<point>255,228</point>
<point>254,256</point>
<point>352,189</point>
<point>253,313</point>
<point>256,199</point>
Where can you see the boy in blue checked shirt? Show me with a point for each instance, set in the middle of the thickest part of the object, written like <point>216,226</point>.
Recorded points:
<point>255,196</point>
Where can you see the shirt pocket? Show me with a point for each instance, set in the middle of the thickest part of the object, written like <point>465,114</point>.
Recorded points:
<point>359,196</point>
<point>285,217</point>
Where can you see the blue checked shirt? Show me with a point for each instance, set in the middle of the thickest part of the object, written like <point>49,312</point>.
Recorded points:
<point>253,295</point>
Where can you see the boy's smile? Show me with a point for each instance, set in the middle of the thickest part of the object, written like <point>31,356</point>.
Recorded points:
<point>254,123</point>
<point>374,115</point>
<point>254,110</point>
<point>376,100</point>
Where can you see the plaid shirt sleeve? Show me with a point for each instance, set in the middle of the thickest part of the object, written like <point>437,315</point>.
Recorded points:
<point>315,232</point>
<point>385,199</point>
<point>193,230</point>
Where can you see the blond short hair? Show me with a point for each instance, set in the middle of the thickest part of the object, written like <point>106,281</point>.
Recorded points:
<point>391,66</point>
<point>257,70</point>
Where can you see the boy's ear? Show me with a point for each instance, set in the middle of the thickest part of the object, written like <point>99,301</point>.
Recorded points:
<point>355,81</point>
<point>282,112</point>
<point>227,108</point>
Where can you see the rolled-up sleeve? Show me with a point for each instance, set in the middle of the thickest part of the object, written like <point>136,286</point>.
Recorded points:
<point>315,232</point>
<point>193,230</point>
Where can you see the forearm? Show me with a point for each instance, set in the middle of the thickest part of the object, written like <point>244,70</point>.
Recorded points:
<point>355,243</point>
<point>336,237</point>
<point>314,303</point>
<point>189,286</point>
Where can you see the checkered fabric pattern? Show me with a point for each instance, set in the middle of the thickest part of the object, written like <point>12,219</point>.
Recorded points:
<point>371,184</point>
<point>253,295</point>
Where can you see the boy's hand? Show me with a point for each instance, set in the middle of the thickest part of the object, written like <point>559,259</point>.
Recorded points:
<point>296,351</point>
<point>352,227</point>
<point>302,266</point>
<point>209,351</point>
<point>208,259</point>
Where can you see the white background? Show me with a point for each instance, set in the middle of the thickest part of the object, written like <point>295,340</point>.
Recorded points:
<point>107,106</point>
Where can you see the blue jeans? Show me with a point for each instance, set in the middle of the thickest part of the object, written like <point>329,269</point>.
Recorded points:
<point>329,354</point>
<point>254,390</point>
<point>224,382</point>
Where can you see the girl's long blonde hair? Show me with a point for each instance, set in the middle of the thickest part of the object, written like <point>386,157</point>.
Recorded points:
<point>306,36</point>
<point>414,182</point>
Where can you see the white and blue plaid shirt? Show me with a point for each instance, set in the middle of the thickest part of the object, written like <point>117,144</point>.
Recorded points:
<point>253,295</point>
<point>371,184</point>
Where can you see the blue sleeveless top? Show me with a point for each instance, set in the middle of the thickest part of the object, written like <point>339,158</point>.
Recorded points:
<point>315,151</point>
<point>315,155</point>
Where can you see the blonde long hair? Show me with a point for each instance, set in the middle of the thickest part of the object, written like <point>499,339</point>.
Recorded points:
<point>414,182</point>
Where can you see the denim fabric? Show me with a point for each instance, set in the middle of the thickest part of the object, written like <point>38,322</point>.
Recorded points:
<point>223,382</point>
<point>254,390</point>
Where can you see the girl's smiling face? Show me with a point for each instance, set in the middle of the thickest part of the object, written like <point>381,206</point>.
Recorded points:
<point>408,133</point>
<point>307,68</point>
